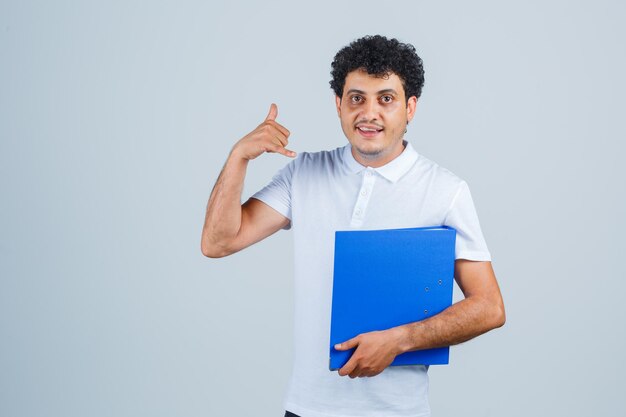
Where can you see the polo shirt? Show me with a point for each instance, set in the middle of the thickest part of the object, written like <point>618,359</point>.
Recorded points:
<point>322,192</point>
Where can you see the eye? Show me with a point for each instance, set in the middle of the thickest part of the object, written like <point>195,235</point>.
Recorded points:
<point>356,99</point>
<point>386,99</point>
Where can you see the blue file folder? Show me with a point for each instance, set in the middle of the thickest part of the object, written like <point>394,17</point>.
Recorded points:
<point>386,278</point>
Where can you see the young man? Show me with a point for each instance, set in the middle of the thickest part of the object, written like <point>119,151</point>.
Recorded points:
<point>376,181</point>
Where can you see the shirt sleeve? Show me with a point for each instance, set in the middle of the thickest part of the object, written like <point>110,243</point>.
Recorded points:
<point>470,243</point>
<point>277,194</point>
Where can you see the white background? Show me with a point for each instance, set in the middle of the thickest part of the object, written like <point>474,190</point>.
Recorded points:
<point>116,118</point>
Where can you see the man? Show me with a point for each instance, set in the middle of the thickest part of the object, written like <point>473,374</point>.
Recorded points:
<point>376,181</point>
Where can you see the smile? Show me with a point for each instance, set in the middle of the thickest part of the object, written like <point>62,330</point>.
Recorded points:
<point>369,131</point>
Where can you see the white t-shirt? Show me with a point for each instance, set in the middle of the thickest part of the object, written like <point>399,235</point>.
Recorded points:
<point>326,191</point>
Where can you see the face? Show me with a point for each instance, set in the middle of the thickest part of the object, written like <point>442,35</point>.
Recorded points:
<point>374,113</point>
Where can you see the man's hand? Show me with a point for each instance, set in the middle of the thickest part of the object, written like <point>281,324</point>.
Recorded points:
<point>374,352</point>
<point>269,136</point>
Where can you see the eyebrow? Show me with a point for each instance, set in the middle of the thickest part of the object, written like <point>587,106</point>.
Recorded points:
<point>385,91</point>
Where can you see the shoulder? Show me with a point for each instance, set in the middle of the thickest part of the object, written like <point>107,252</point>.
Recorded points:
<point>440,176</point>
<point>319,160</point>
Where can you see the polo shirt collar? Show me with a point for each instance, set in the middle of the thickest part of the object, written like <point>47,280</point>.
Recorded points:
<point>392,170</point>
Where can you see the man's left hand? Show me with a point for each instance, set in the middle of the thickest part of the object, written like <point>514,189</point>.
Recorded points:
<point>374,352</point>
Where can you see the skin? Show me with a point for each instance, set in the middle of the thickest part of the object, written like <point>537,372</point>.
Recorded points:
<point>230,226</point>
<point>372,102</point>
<point>379,102</point>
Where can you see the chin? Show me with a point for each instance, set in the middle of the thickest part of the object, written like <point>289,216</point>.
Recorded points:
<point>369,151</point>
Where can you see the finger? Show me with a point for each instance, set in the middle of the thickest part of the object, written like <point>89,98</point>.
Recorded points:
<point>349,368</point>
<point>355,374</point>
<point>273,112</point>
<point>282,150</point>
<point>347,345</point>
<point>280,127</point>
<point>279,139</point>
<point>270,129</point>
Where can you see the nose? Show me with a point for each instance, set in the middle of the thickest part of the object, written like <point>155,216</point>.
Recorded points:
<point>370,110</point>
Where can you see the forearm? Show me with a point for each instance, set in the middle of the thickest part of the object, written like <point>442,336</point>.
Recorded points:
<point>223,214</point>
<point>460,322</point>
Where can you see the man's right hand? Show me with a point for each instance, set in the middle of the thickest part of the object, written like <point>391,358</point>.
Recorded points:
<point>269,136</point>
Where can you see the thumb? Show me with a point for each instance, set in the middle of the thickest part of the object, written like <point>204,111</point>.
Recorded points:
<point>273,112</point>
<point>347,344</point>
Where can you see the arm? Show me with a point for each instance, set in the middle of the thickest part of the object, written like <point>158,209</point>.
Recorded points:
<point>230,226</point>
<point>481,310</point>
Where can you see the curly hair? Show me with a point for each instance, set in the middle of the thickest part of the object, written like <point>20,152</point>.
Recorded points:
<point>379,56</point>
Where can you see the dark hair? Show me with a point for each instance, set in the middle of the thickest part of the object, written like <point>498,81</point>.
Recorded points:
<point>379,56</point>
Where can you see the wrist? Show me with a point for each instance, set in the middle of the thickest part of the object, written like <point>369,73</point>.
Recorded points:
<point>237,156</point>
<point>402,338</point>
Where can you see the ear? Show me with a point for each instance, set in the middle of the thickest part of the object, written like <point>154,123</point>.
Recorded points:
<point>338,104</point>
<point>411,104</point>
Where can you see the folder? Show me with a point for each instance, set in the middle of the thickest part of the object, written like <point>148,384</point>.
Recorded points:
<point>387,278</point>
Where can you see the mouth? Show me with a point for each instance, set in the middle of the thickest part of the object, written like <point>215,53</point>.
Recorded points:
<point>369,131</point>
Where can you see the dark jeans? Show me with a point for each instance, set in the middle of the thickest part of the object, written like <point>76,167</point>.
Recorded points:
<point>290,414</point>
